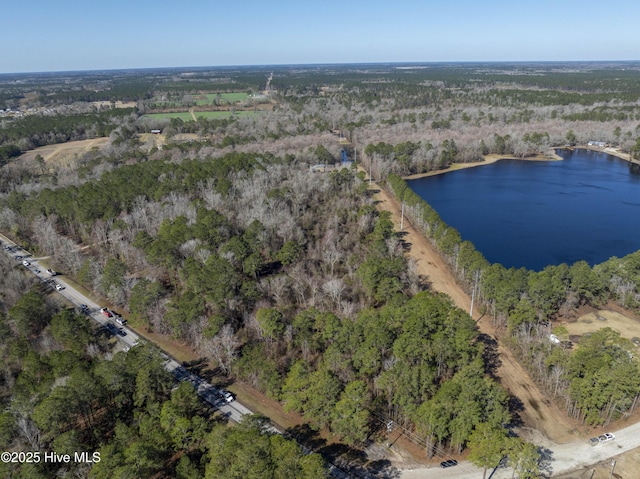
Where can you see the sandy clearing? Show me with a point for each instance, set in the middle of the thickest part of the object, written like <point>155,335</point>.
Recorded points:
<point>63,153</point>
<point>627,325</point>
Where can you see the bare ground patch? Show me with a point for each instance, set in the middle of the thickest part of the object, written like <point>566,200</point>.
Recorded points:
<point>64,154</point>
<point>627,466</point>
<point>625,323</point>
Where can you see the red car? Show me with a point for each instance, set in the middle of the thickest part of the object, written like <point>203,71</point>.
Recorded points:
<point>106,312</point>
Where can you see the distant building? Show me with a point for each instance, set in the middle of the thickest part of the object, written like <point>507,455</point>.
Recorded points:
<point>156,132</point>
<point>601,144</point>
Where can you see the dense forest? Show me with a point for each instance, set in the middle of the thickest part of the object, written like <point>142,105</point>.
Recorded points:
<point>292,281</point>
<point>65,390</point>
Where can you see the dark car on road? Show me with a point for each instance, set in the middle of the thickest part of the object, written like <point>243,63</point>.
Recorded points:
<point>449,463</point>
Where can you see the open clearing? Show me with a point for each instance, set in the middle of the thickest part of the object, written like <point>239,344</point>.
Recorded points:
<point>626,467</point>
<point>628,327</point>
<point>209,98</point>
<point>63,154</point>
<point>187,116</point>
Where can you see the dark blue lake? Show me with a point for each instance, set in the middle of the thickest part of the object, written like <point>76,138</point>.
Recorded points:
<point>534,214</point>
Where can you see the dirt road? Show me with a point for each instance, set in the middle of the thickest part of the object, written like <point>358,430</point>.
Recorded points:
<point>538,412</point>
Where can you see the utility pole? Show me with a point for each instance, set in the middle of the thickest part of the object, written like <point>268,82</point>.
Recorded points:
<point>402,216</point>
<point>473,292</point>
<point>613,465</point>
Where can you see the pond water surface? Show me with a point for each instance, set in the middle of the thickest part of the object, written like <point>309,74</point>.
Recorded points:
<point>539,213</point>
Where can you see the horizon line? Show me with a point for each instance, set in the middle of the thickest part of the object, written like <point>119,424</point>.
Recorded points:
<point>281,65</point>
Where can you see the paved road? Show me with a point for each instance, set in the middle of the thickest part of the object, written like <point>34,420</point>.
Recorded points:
<point>232,410</point>
<point>557,458</point>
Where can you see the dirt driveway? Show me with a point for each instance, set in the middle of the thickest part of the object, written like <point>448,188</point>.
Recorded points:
<point>538,412</point>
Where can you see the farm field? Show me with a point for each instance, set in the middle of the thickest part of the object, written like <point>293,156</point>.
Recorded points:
<point>225,98</point>
<point>186,116</point>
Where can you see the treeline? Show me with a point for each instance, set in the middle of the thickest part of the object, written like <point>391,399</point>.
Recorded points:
<point>409,158</point>
<point>63,390</point>
<point>8,151</point>
<point>115,192</point>
<point>134,89</point>
<point>406,358</point>
<point>524,302</point>
<point>33,131</point>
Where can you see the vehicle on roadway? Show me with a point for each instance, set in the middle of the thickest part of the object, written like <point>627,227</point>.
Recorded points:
<point>59,287</point>
<point>606,437</point>
<point>121,321</point>
<point>106,312</point>
<point>226,395</point>
<point>111,328</point>
<point>448,463</point>
<point>26,263</point>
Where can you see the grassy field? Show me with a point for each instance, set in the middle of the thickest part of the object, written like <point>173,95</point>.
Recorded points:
<point>224,114</point>
<point>186,116</point>
<point>225,98</point>
<point>183,115</point>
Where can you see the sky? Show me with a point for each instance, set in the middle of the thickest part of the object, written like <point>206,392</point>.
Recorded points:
<point>66,35</point>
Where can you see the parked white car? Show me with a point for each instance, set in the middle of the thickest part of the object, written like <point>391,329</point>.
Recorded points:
<point>606,437</point>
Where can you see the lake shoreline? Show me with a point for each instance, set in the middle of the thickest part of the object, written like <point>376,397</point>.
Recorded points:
<point>549,156</point>
<point>540,213</point>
